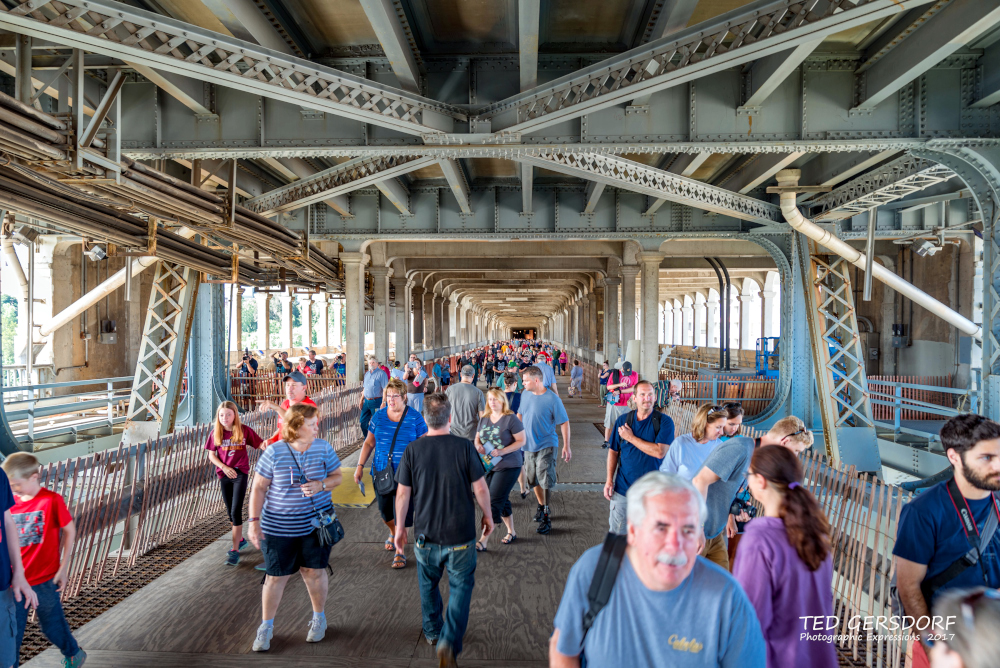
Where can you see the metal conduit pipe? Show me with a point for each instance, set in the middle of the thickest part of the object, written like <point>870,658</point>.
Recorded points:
<point>15,264</point>
<point>101,291</point>
<point>787,180</point>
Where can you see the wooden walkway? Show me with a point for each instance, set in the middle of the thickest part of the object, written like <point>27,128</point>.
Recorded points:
<point>203,613</point>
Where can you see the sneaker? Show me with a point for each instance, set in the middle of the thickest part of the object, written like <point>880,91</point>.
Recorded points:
<point>232,558</point>
<point>261,567</point>
<point>545,525</point>
<point>262,642</point>
<point>539,513</point>
<point>431,640</point>
<point>243,543</point>
<point>604,445</point>
<point>317,629</point>
<point>76,660</point>
<point>446,656</point>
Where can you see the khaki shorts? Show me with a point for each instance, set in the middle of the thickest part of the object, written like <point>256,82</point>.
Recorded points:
<point>612,413</point>
<point>715,550</point>
<point>540,468</point>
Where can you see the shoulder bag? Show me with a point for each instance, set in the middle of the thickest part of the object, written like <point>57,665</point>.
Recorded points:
<point>385,480</point>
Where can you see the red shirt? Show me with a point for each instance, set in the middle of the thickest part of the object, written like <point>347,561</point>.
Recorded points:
<point>234,455</point>
<point>284,407</point>
<point>38,523</point>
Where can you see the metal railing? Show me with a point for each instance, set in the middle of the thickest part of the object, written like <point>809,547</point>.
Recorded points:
<point>892,403</point>
<point>248,391</point>
<point>129,500</point>
<point>16,375</point>
<point>66,413</point>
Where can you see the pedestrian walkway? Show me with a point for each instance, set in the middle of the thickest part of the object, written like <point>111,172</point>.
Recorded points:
<point>203,613</point>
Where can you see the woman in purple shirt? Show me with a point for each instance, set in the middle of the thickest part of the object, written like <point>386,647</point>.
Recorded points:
<point>784,562</point>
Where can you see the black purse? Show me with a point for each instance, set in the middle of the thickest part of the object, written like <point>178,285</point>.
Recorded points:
<point>384,481</point>
<point>329,530</point>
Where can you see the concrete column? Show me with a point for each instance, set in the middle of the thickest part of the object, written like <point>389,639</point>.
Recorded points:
<point>322,307</point>
<point>649,368</point>
<point>747,341</point>
<point>668,323</point>
<point>446,320</point>
<point>429,320</point>
<point>712,322</point>
<point>575,336</point>
<point>699,318</point>
<point>611,348</point>
<point>417,300</point>
<point>285,323</point>
<point>337,305</point>
<point>678,326</point>
<point>689,325</point>
<point>453,325</point>
<point>305,310</point>
<point>354,286</point>
<point>769,313</point>
<point>592,321</point>
<point>235,318</point>
<point>439,333</point>
<point>403,304</point>
<point>380,284</point>
<point>628,273</point>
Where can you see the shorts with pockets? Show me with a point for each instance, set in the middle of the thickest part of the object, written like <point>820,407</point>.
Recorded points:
<point>612,413</point>
<point>540,468</point>
<point>285,555</point>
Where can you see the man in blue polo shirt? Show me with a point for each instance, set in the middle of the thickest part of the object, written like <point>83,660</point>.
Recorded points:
<point>636,448</point>
<point>371,395</point>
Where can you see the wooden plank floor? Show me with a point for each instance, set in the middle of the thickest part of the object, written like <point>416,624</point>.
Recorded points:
<point>205,613</point>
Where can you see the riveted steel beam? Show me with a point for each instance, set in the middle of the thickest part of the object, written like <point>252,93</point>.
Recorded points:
<point>387,22</point>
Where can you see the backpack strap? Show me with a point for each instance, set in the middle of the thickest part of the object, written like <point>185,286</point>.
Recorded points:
<point>605,574</point>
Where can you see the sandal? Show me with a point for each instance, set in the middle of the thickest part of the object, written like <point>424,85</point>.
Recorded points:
<point>399,561</point>
<point>389,545</point>
<point>509,538</point>
<point>524,495</point>
<point>480,547</point>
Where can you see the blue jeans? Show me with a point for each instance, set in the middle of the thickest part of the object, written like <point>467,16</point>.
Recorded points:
<point>368,409</point>
<point>51,618</point>
<point>460,560</point>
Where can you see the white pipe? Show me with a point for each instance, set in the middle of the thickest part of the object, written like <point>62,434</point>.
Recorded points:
<point>102,291</point>
<point>790,177</point>
<point>15,264</point>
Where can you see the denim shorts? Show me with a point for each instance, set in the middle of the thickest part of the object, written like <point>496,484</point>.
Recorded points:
<point>285,555</point>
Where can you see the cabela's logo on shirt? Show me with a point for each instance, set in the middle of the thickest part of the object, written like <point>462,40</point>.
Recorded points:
<point>30,527</point>
<point>685,645</point>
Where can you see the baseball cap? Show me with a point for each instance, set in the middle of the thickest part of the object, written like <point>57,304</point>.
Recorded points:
<point>627,367</point>
<point>297,376</point>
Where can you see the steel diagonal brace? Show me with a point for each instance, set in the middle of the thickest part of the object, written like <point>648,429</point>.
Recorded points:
<point>740,36</point>
<point>137,36</point>
<point>614,171</point>
<point>339,180</point>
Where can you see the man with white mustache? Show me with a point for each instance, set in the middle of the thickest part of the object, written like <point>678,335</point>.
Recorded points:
<point>668,606</point>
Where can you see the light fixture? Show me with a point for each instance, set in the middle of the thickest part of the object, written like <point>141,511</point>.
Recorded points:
<point>96,253</point>
<point>923,248</point>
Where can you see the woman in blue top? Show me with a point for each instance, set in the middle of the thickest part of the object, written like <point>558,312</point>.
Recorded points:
<point>381,432</point>
<point>291,486</point>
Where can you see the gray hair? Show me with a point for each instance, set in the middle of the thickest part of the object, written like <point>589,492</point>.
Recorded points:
<point>973,623</point>
<point>655,483</point>
<point>468,371</point>
<point>437,410</point>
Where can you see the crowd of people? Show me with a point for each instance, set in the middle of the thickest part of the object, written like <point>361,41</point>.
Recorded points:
<point>716,549</point>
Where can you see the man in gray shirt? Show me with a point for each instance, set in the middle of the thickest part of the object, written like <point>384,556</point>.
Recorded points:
<point>467,402</point>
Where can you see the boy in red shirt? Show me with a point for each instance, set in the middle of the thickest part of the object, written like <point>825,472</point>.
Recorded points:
<point>40,514</point>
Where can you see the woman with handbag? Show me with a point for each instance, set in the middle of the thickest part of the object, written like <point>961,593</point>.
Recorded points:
<point>292,520</point>
<point>501,432</point>
<point>392,429</point>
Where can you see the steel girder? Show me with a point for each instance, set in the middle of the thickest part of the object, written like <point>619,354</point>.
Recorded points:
<point>838,361</point>
<point>156,41</point>
<point>894,180</point>
<point>159,372</point>
<point>343,178</point>
<point>736,37</point>
<point>658,184</point>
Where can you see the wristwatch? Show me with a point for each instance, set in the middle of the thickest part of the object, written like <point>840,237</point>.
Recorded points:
<point>324,485</point>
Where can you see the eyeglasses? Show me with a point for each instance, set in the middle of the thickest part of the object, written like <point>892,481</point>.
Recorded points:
<point>390,397</point>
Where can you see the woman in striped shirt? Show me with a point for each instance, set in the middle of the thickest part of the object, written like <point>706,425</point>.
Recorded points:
<point>291,487</point>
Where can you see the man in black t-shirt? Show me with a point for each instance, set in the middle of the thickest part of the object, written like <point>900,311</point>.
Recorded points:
<point>315,364</point>
<point>442,473</point>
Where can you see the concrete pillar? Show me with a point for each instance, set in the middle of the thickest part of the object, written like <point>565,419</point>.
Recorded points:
<point>699,318</point>
<point>747,340</point>
<point>712,322</point>
<point>678,326</point>
<point>235,318</point>
<point>446,339</point>
<point>439,334</point>
<point>380,285</point>
<point>417,300</point>
<point>592,321</point>
<point>769,313</point>
<point>611,348</point>
<point>453,325</point>
<point>689,323</point>
<point>649,368</point>
<point>575,338</point>
<point>403,305</point>
<point>337,323</point>
<point>429,321</point>
<point>354,285</point>
<point>321,305</point>
<point>668,323</point>
<point>629,274</point>
<point>305,311</point>
<point>285,323</point>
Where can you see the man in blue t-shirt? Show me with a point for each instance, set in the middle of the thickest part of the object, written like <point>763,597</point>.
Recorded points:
<point>541,412</point>
<point>14,588</point>
<point>668,606</point>
<point>931,536</point>
<point>635,451</point>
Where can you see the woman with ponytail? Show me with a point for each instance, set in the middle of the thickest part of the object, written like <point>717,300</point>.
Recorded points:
<point>784,562</point>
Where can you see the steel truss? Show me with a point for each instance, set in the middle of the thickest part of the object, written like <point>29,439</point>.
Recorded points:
<point>658,183</point>
<point>838,360</point>
<point>159,372</point>
<point>894,180</point>
<point>737,37</point>
<point>144,38</point>
<point>338,180</point>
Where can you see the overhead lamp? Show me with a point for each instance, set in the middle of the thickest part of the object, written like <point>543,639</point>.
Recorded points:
<point>923,248</point>
<point>96,253</point>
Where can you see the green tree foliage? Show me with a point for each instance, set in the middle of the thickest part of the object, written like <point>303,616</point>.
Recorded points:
<point>8,320</point>
<point>248,324</point>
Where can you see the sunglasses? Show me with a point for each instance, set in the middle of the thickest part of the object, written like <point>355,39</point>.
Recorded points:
<point>713,410</point>
<point>796,433</point>
<point>732,404</point>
